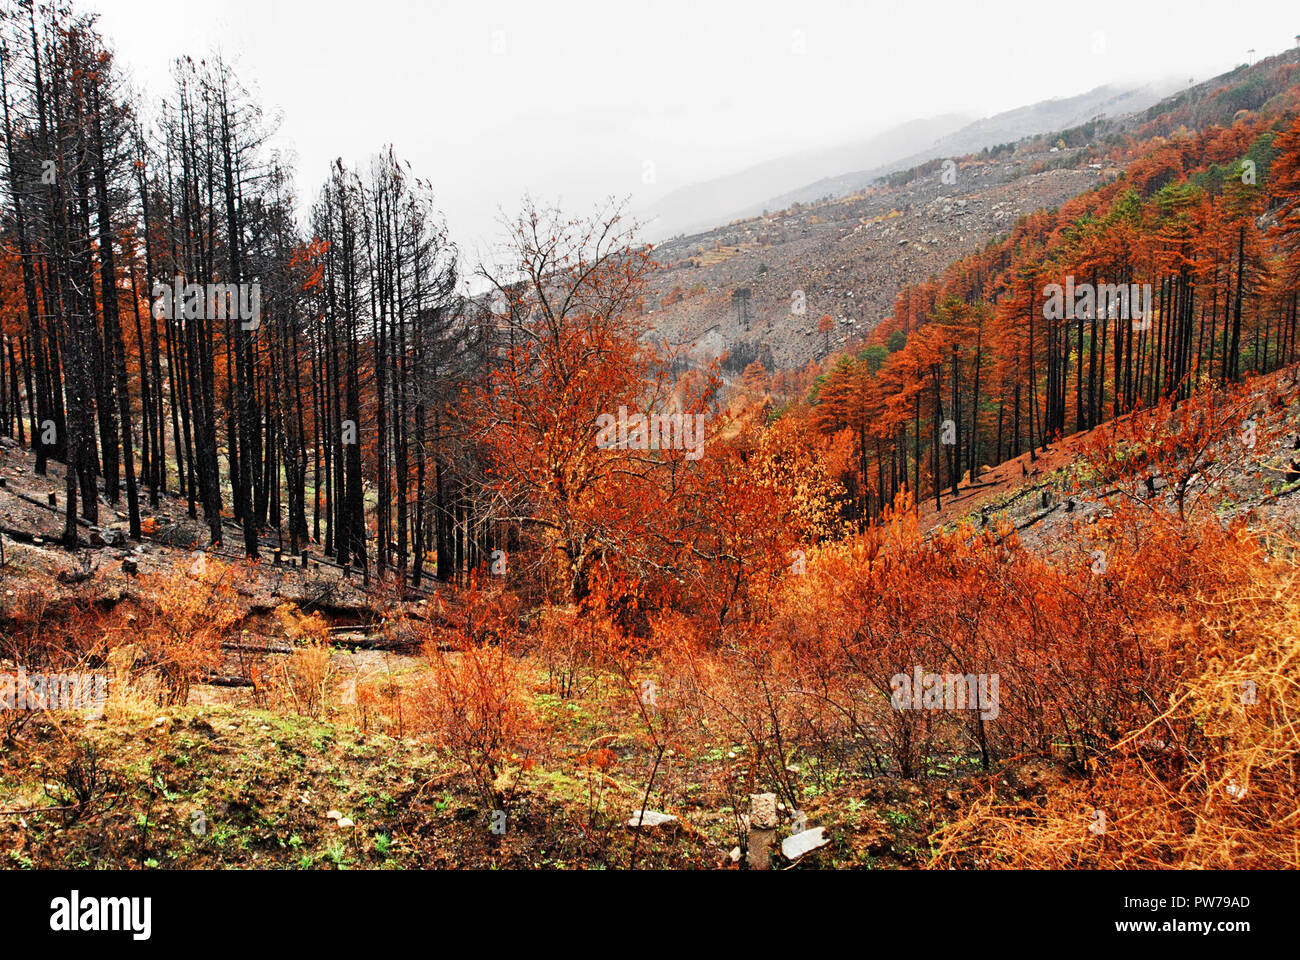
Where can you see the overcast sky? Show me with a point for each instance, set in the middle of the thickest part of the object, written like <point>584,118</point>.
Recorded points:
<point>573,101</point>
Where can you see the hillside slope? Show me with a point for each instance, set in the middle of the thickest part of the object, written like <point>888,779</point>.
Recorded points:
<point>849,257</point>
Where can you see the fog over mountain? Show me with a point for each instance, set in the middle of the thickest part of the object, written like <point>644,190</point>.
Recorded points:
<point>745,193</point>
<point>490,101</point>
<point>836,171</point>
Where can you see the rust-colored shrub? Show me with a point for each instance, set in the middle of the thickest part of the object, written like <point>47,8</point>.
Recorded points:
<point>194,609</point>
<point>475,706</point>
<point>1208,783</point>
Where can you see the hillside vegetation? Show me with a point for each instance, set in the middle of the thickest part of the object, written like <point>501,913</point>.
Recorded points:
<point>369,572</point>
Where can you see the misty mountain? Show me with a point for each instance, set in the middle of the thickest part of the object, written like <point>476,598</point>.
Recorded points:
<point>1010,126</point>
<point>704,205</point>
<point>838,171</point>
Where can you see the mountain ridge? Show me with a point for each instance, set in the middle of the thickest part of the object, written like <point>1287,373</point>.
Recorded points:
<point>718,201</point>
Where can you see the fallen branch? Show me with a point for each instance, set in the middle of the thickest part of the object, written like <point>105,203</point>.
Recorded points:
<point>257,647</point>
<point>225,680</point>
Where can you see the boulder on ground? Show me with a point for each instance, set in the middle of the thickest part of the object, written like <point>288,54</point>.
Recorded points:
<point>650,818</point>
<point>806,841</point>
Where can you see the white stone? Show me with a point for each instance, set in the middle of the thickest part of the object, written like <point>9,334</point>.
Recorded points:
<point>794,847</point>
<point>650,818</point>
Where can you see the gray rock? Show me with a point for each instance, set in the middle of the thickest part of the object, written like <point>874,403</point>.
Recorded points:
<point>792,848</point>
<point>650,818</point>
